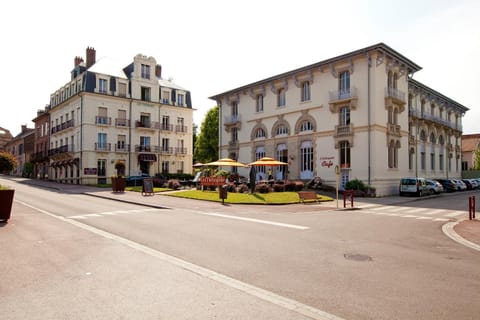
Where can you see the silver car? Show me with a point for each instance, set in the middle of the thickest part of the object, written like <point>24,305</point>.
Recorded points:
<point>434,186</point>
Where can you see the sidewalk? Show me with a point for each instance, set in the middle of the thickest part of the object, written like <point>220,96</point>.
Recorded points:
<point>465,231</point>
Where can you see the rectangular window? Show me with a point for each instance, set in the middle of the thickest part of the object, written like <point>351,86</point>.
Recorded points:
<point>440,162</point>
<point>102,115</point>
<point>432,161</point>
<point>344,154</point>
<point>122,118</point>
<point>281,97</point>
<point>102,85</point>
<point>305,91</point>
<point>165,167</point>
<point>145,71</point>
<point>166,97</point>
<point>180,100</point>
<point>121,146</point>
<point>234,134</point>
<point>102,141</point>
<point>410,160</point>
<point>122,89</point>
<point>145,120</point>
<point>259,103</point>
<point>165,144</point>
<point>166,123</point>
<point>234,109</point>
<point>344,116</point>
<point>145,144</point>
<point>145,92</point>
<point>344,84</point>
<point>422,161</point>
<point>101,167</point>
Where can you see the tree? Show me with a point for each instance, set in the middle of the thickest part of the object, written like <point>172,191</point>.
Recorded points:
<point>8,162</point>
<point>206,145</point>
<point>194,141</point>
<point>476,154</point>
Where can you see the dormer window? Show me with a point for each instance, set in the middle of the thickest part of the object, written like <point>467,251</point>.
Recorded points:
<point>145,71</point>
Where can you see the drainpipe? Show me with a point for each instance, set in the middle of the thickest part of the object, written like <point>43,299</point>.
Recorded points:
<point>219,103</point>
<point>81,139</point>
<point>369,60</point>
<point>130,138</point>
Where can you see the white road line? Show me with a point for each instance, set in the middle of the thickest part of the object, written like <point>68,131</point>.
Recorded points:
<point>435,211</point>
<point>273,223</point>
<point>417,210</point>
<point>398,209</point>
<point>265,295</point>
<point>441,219</point>
<point>455,214</point>
<point>424,218</point>
<point>408,216</point>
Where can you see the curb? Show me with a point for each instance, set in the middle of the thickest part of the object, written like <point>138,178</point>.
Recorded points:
<point>448,230</point>
<point>126,201</point>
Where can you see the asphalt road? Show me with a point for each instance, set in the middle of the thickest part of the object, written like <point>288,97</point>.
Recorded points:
<point>351,264</point>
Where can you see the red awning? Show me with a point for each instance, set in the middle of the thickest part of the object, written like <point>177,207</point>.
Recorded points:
<point>147,157</point>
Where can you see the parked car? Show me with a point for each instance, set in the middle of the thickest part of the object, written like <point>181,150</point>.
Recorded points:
<point>413,185</point>
<point>461,186</point>
<point>471,183</point>
<point>434,186</point>
<point>136,180</point>
<point>448,185</point>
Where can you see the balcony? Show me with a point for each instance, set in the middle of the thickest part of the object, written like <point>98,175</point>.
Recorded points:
<point>343,130</point>
<point>396,95</point>
<point>61,150</point>
<point>103,121</point>
<point>101,146</point>
<point>145,148</point>
<point>346,97</point>
<point>62,126</point>
<point>166,150</point>
<point>180,151</point>
<point>147,124</point>
<point>411,139</point>
<point>166,127</point>
<point>39,156</point>
<point>119,122</point>
<point>122,147</point>
<point>232,119</point>
<point>180,128</point>
<point>393,129</point>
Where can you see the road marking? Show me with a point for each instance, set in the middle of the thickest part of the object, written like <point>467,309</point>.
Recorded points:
<point>441,219</point>
<point>273,223</point>
<point>454,214</point>
<point>424,218</point>
<point>249,289</point>
<point>408,216</point>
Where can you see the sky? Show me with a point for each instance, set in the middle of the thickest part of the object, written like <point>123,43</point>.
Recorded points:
<point>210,46</point>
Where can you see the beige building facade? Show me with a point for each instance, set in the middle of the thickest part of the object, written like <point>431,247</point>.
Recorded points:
<point>361,111</point>
<point>108,114</point>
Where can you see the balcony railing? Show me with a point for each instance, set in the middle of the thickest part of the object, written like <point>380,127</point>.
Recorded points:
<point>144,148</point>
<point>63,149</point>
<point>343,130</point>
<point>120,122</point>
<point>395,93</point>
<point>180,128</point>
<point>166,150</point>
<point>181,151</point>
<point>427,116</point>
<point>166,127</point>
<point>232,119</point>
<point>103,120</point>
<point>393,129</point>
<point>343,94</point>
<point>121,147</point>
<point>62,126</point>
<point>147,124</point>
<point>411,139</point>
<point>99,146</point>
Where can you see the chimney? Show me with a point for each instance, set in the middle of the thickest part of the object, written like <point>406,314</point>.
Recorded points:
<point>78,61</point>
<point>24,128</point>
<point>158,71</point>
<point>90,57</point>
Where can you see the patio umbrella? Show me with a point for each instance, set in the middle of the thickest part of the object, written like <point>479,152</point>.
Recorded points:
<point>198,165</point>
<point>226,162</point>
<point>267,161</point>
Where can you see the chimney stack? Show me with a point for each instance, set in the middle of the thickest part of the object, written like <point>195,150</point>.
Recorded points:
<point>91,53</point>
<point>77,61</point>
<point>158,71</point>
<point>24,128</point>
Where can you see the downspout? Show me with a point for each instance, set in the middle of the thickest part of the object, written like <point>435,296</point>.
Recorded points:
<point>130,138</point>
<point>219,103</point>
<point>81,139</point>
<point>369,124</point>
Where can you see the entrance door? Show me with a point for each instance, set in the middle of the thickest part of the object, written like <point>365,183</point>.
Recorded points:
<point>145,167</point>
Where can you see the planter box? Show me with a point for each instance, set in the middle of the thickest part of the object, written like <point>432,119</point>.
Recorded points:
<point>6,201</point>
<point>119,184</point>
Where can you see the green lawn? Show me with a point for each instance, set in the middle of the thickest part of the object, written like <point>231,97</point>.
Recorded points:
<point>245,198</point>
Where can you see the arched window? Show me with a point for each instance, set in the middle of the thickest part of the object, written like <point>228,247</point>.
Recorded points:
<point>281,130</point>
<point>306,126</point>
<point>259,133</point>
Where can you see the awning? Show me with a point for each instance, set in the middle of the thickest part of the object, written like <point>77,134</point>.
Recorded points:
<point>147,157</point>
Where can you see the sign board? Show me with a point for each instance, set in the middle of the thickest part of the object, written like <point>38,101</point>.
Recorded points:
<point>90,171</point>
<point>212,181</point>
<point>147,186</point>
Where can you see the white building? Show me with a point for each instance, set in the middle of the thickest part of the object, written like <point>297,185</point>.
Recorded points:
<point>361,111</point>
<point>108,113</point>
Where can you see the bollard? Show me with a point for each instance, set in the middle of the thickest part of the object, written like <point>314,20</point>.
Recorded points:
<point>471,207</point>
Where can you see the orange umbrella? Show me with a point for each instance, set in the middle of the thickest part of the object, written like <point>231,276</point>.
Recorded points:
<point>226,162</point>
<point>198,164</point>
<point>267,161</point>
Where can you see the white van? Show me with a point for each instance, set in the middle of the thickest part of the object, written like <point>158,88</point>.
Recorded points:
<point>413,185</point>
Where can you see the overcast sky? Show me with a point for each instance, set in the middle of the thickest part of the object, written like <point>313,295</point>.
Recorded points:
<point>210,46</point>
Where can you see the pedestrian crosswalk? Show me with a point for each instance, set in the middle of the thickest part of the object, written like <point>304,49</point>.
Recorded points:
<point>111,213</point>
<point>427,214</point>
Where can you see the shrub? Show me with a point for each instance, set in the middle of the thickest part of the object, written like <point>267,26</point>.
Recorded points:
<point>262,188</point>
<point>355,184</point>
<point>120,167</point>
<point>290,186</point>
<point>243,188</point>
<point>231,187</point>
<point>174,184</point>
<point>277,187</point>
<point>8,162</point>
<point>299,185</point>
